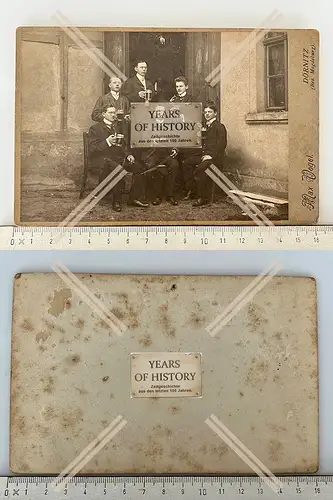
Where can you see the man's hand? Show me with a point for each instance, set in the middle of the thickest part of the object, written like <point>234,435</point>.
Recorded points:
<point>127,118</point>
<point>111,140</point>
<point>206,157</point>
<point>130,159</point>
<point>142,94</point>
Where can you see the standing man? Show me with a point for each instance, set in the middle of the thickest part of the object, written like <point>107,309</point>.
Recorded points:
<point>182,94</point>
<point>185,155</point>
<point>109,148</point>
<point>113,98</point>
<point>214,144</point>
<point>135,87</point>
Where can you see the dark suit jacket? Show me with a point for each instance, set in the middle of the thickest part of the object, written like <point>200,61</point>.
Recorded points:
<point>187,98</point>
<point>108,99</point>
<point>215,142</point>
<point>132,87</point>
<point>99,148</point>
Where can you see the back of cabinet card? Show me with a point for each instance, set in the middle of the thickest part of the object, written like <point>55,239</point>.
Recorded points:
<point>147,360</point>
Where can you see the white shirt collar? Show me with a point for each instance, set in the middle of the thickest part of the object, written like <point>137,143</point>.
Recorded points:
<point>107,122</point>
<point>183,94</point>
<point>114,94</point>
<point>142,79</point>
<point>210,121</point>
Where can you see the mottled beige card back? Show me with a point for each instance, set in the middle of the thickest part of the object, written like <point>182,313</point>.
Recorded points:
<point>81,355</point>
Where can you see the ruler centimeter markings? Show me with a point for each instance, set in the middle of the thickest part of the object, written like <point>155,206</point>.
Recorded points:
<point>168,238</point>
<point>188,487</point>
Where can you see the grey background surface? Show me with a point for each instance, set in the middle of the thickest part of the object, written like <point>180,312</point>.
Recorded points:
<point>306,263</point>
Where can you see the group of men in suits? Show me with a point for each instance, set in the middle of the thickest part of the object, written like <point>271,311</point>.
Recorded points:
<point>158,168</point>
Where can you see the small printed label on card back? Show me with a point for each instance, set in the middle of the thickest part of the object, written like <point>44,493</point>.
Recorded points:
<point>165,374</point>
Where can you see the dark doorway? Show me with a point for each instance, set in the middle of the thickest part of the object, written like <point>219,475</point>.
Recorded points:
<point>164,54</point>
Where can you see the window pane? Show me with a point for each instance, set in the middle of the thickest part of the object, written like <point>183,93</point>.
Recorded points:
<point>277,92</point>
<point>275,59</point>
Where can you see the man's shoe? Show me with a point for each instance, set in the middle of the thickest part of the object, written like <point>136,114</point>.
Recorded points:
<point>116,206</point>
<point>200,202</point>
<point>172,201</point>
<point>138,203</point>
<point>157,201</point>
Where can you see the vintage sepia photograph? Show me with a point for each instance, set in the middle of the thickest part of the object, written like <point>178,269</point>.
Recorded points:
<point>161,126</point>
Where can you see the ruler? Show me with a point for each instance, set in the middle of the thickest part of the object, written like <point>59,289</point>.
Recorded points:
<point>168,238</point>
<point>169,487</point>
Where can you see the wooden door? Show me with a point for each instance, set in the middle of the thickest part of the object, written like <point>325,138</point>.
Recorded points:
<point>203,55</point>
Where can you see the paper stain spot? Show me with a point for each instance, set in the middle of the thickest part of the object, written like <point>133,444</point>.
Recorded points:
<point>130,315</point>
<point>197,317</point>
<point>80,323</point>
<point>274,450</point>
<point>173,287</point>
<point>27,325</point>
<point>175,409</point>
<point>165,321</point>
<point>118,313</point>
<point>48,413</point>
<point>71,418</point>
<point>75,359</point>
<point>256,318</point>
<point>105,379</point>
<point>48,384</point>
<point>20,425</point>
<point>220,450</point>
<point>81,391</point>
<point>42,336</point>
<point>60,301</point>
<point>145,341</point>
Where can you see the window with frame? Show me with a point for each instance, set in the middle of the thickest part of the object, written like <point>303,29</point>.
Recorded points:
<point>276,71</point>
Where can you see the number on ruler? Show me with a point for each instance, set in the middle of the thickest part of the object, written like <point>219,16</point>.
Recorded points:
<point>204,241</point>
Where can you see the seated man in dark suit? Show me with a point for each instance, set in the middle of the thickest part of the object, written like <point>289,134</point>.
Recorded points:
<point>113,98</point>
<point>214,143</point>
<point>135,87</point>
<point>105,150</point>
<point>162,179</point>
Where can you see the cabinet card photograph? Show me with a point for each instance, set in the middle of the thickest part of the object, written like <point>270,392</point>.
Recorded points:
<point>161,126</point>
